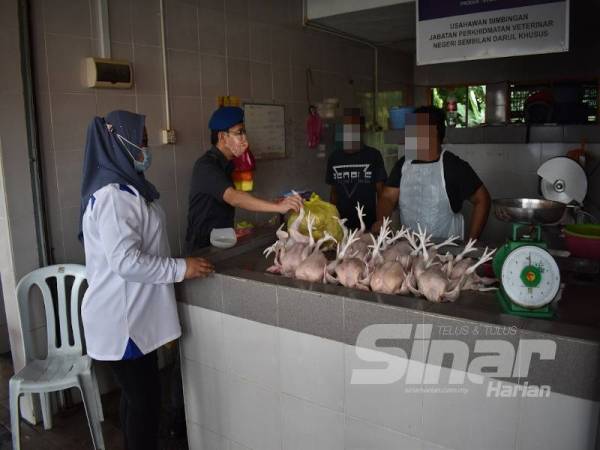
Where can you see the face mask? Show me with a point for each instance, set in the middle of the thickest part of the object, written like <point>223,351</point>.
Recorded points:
<point>238,150</point>
<point>238,147</point>
<point>139,166</point>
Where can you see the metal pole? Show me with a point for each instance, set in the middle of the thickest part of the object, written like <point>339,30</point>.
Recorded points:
<point>35,163</point>
<point>103,28</point>
<point>164,61</point>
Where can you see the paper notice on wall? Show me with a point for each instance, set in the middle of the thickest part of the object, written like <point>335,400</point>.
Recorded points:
<point>459,30</point>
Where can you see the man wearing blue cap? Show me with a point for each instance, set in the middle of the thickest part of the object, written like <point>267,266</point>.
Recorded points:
<point>213,197</point>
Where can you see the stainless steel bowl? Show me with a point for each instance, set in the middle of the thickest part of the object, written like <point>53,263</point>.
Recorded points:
<point>528,210</point>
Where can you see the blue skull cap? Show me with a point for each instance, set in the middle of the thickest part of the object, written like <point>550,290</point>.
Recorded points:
<point>226,117</point>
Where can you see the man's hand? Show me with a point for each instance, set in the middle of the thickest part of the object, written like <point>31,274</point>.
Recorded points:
<point>197,268</point>
<point>290,203</point>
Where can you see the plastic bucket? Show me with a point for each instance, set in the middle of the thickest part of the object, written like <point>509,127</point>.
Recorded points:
<point>583,240</point>
<point>398,116</point>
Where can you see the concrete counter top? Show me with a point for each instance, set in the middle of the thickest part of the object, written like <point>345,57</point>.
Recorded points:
<point>241,288</point>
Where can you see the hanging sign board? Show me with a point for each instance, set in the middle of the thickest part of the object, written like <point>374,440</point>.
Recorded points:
<point>459,30</point>
<point>265,125</point>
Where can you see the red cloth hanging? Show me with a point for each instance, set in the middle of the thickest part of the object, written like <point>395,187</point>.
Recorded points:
<point>314,127</point>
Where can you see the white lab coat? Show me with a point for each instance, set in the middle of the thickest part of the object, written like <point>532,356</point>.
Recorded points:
<point>130,274</point>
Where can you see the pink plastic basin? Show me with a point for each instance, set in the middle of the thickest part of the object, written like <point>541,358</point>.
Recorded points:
<point>583,240</point>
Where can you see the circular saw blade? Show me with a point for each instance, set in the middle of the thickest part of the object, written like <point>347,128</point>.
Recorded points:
<point>550,193</point>
<point>563,180</point>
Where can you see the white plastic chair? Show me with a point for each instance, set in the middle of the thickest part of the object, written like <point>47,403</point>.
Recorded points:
<point>65,366</point>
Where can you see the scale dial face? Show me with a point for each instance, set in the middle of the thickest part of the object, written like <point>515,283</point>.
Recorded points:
<point>530,277</point>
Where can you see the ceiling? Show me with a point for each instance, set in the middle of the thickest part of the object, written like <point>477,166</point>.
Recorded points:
<point>389,26</point>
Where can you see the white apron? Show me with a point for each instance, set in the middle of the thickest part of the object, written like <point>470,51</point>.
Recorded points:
<point>424,200</point>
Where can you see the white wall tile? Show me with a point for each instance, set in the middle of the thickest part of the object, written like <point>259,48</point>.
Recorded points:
<point>203,340</point>
<point>162,170</point>
<point>182,25</point>
<point>238,73</point>
<point>68,17</point>
<point>68,167</point>
<point>308,426</point>
<point>214,77</point>
<point>186,119</point>
<point>10,76</point>
<point>119,15</point>
<point>71,115</point>
<point>211,27</point>
<point>153,106</point>
<point>146,26</point>
<point>380,403</point>
<point>360,435</point>
<point>254,415</point>
<point>238,36</point>
<point>431,446</point>
<point>260,42</point>
<point>552,150</point>
<point>168,201</point>
<point>557,422</point>
<point>281,82</point>
<point>280,46</point>
<point>524,159</point>
<point>262,81</point>
<point>65,62</point>
<point>217,5</point>
<point>237,446</point>
<point>8,19</point>
<point>73,248</point>
<point>205,396</point>
<point>237,7</point>
<point>147,70</point>
<point>108,101</point>
<point>455,419</point>
<point>184,73</point>
<point>252,351</point>
<point>202,439</point>
<point>312,368</point>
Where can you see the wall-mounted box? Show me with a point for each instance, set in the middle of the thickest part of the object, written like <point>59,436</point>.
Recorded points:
<point>108,73</point>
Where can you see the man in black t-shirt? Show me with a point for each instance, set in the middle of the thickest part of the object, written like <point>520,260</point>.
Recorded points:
<point>213,197</point>
<point>355,172</point>
<point>430,185</point>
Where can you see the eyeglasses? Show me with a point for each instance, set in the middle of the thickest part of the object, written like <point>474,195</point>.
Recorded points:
<point>239,133</point>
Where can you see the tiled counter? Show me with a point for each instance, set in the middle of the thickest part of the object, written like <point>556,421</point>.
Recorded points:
<point>273,363</point>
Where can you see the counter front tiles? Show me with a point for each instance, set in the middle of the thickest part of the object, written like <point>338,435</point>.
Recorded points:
<point>341,314</point>
<point>271,366</point>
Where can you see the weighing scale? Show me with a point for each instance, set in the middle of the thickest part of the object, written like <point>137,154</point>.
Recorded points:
<point>529,276</point>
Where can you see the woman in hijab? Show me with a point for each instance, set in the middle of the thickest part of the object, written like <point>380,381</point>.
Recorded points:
<point>129,308</point>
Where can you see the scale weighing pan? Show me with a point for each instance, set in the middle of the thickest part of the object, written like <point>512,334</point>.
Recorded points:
<point>528,211</point>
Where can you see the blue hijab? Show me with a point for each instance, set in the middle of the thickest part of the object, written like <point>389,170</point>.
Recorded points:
<point>106,161</point>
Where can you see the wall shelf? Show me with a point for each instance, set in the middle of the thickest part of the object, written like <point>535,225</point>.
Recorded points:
<point>511,134</point>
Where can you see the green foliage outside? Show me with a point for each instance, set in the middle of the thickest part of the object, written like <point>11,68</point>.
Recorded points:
<point>470,104</point>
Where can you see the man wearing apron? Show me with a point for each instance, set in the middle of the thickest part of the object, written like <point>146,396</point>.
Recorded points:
<point>429,184</point>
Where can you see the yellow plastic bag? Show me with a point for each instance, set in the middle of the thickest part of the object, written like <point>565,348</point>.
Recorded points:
<point>324,214</point>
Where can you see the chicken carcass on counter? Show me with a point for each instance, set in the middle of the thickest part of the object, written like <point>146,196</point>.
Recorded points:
<point>402,262</point>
